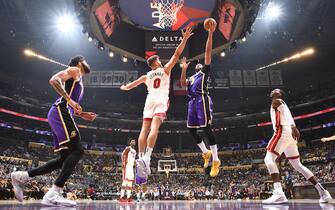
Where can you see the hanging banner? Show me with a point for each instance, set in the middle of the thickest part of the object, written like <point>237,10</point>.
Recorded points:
<point>276,77</point>
<point>249,78</point>
<point>235,77</point>
<point>109,79</point>
<point>262,78</point>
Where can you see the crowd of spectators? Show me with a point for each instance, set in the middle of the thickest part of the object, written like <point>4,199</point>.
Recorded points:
<point>98,176</point>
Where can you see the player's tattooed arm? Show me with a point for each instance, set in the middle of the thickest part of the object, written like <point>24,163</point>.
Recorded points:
<point>185,64</point>
<point>58,80</point>
<point>179,50</point>
<point>134,84</point>
<point>209,44</point>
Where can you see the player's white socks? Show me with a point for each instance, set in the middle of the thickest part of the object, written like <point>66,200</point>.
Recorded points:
<point>277,186</point>
<point>203,147</point>
<point>122,193</point>
<point>148,152</point>
<point>128,194</point>
<point>320,189</point>
<point>214,149</point>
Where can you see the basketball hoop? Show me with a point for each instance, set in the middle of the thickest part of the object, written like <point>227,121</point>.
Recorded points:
<point>167,11</point>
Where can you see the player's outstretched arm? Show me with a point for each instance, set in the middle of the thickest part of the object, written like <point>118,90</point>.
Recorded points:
<point>175,57</point>
<point>183,80</point>
<point>331,138</point>
<point>58,80</point>
<point>134,84</point>
<point>209,44</point>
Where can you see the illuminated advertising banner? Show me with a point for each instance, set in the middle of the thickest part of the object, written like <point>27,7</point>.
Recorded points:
<point>163,43</point>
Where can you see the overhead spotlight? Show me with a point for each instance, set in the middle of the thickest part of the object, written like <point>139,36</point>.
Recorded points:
<point>223,54</point>
<point>233,45</point>
<point>124,59</point>
<point>101,46</point>
<point>273,11</point>
<point>65,23</point>
<point>111,53</point>
<point>90,37</point>
<point>244,39</point>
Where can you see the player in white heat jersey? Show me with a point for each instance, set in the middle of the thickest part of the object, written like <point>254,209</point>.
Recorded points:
<point>284,140</point>
<point>128,160</point>
<point>158,83</point>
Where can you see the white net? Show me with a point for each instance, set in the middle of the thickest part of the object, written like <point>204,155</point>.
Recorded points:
<point>168,10</point>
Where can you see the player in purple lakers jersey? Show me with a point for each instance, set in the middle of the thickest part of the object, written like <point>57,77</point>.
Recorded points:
<point>200,105</point>
<point>68,84</point>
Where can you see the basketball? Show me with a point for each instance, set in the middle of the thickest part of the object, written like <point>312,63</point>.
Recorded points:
<point>207,23</point>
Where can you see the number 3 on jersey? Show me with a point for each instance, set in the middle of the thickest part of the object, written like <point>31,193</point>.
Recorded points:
<point>157,83</point>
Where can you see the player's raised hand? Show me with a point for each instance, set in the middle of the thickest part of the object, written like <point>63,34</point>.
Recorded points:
<point>184,63</point>
<point>212,26</point>
<point>187,33</point>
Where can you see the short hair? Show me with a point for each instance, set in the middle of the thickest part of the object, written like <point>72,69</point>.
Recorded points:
<point>76,60</point>
<point>152,59</point>
<point>130,139</point>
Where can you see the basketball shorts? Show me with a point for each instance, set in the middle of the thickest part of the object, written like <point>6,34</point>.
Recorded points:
<point>283,142</point>
<point>63,127</point>
<point>156,106</point>
<point>128,173</point>
<point>200,112</point>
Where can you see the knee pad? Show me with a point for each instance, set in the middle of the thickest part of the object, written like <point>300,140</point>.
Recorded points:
<point>270,162</point>
<point>297,165</point>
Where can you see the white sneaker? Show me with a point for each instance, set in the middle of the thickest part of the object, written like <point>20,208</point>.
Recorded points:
<point>276,198</point>
<point>18,179</point>
<point>54,198</point>
<point>325,197</point>
<point>146,161</point>
<point>326,206</point>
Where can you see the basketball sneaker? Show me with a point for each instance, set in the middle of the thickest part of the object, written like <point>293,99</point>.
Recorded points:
<point>276,198</point>
<point>146,162</point>
<point>206,156</point>
<point>141,173</point>
<point>54,198</point>
<point>18,179</point>
<point>215,168</point>
<point>325,197</point>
